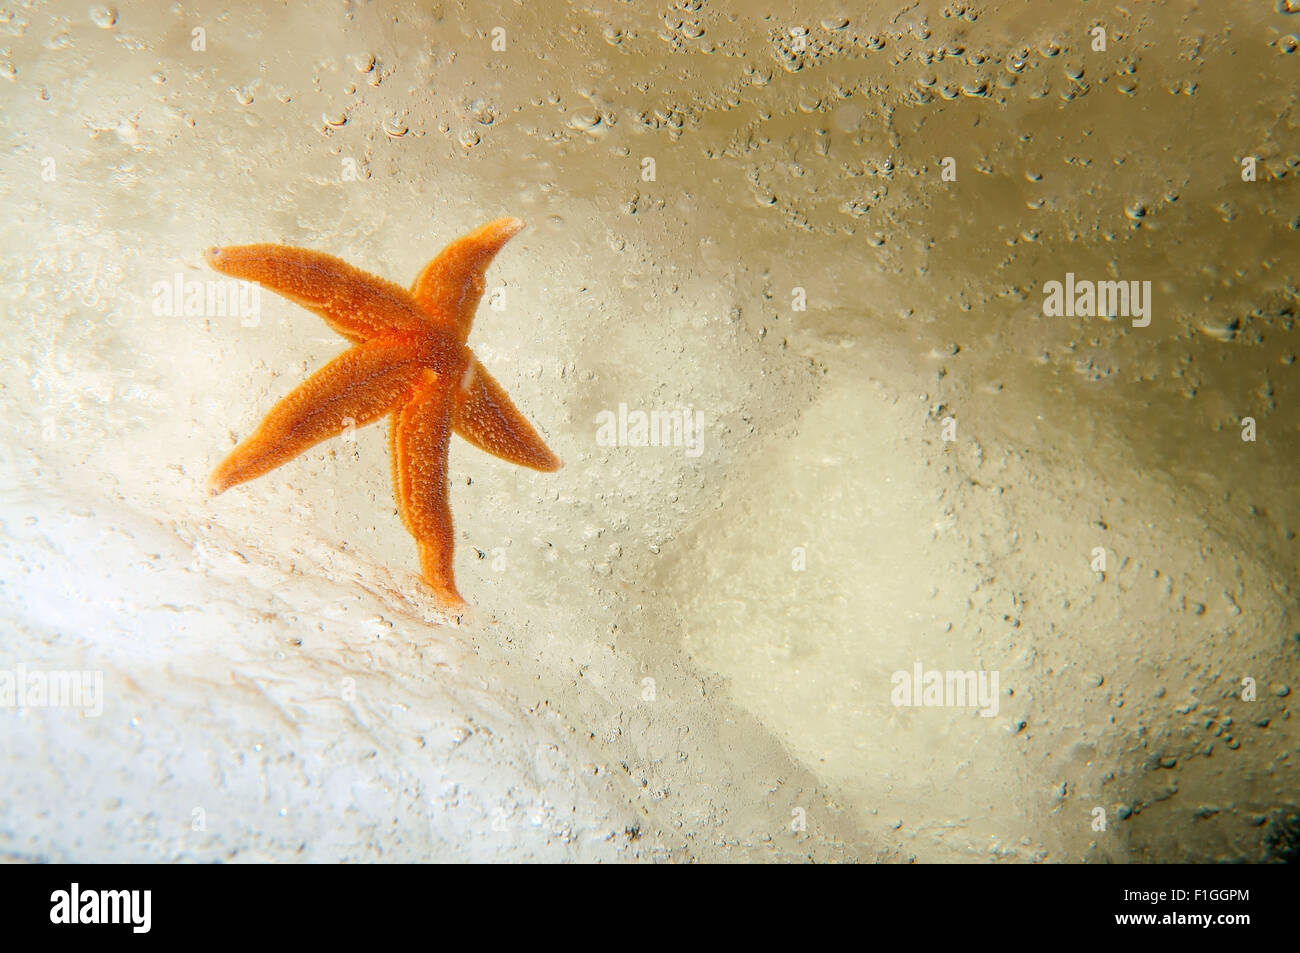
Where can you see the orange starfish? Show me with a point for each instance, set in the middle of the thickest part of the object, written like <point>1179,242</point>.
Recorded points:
<point>409,359</point>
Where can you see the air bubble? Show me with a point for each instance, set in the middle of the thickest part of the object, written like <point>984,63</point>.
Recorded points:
<point>103,17</point>
<point>589,121</point>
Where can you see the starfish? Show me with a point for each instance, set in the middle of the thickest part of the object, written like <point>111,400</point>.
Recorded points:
<point>409,360</point>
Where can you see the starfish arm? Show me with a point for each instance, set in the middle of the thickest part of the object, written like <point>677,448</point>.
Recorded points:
<point>421,432</point>
<point>354,389</point>
<point>450,286</point>
<point>356,304</point>
<point>401,487</point>
<point>484,415</point>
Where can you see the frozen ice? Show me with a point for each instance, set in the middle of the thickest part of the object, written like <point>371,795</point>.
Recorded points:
<point>827,234</point>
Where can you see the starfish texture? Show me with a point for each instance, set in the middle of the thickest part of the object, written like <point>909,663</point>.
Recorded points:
<point>408,360</point>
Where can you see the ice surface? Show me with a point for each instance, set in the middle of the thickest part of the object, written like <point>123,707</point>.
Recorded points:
<point>671,656</point>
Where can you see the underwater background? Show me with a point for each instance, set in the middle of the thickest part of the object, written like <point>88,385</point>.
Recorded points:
<point>825,232</point>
